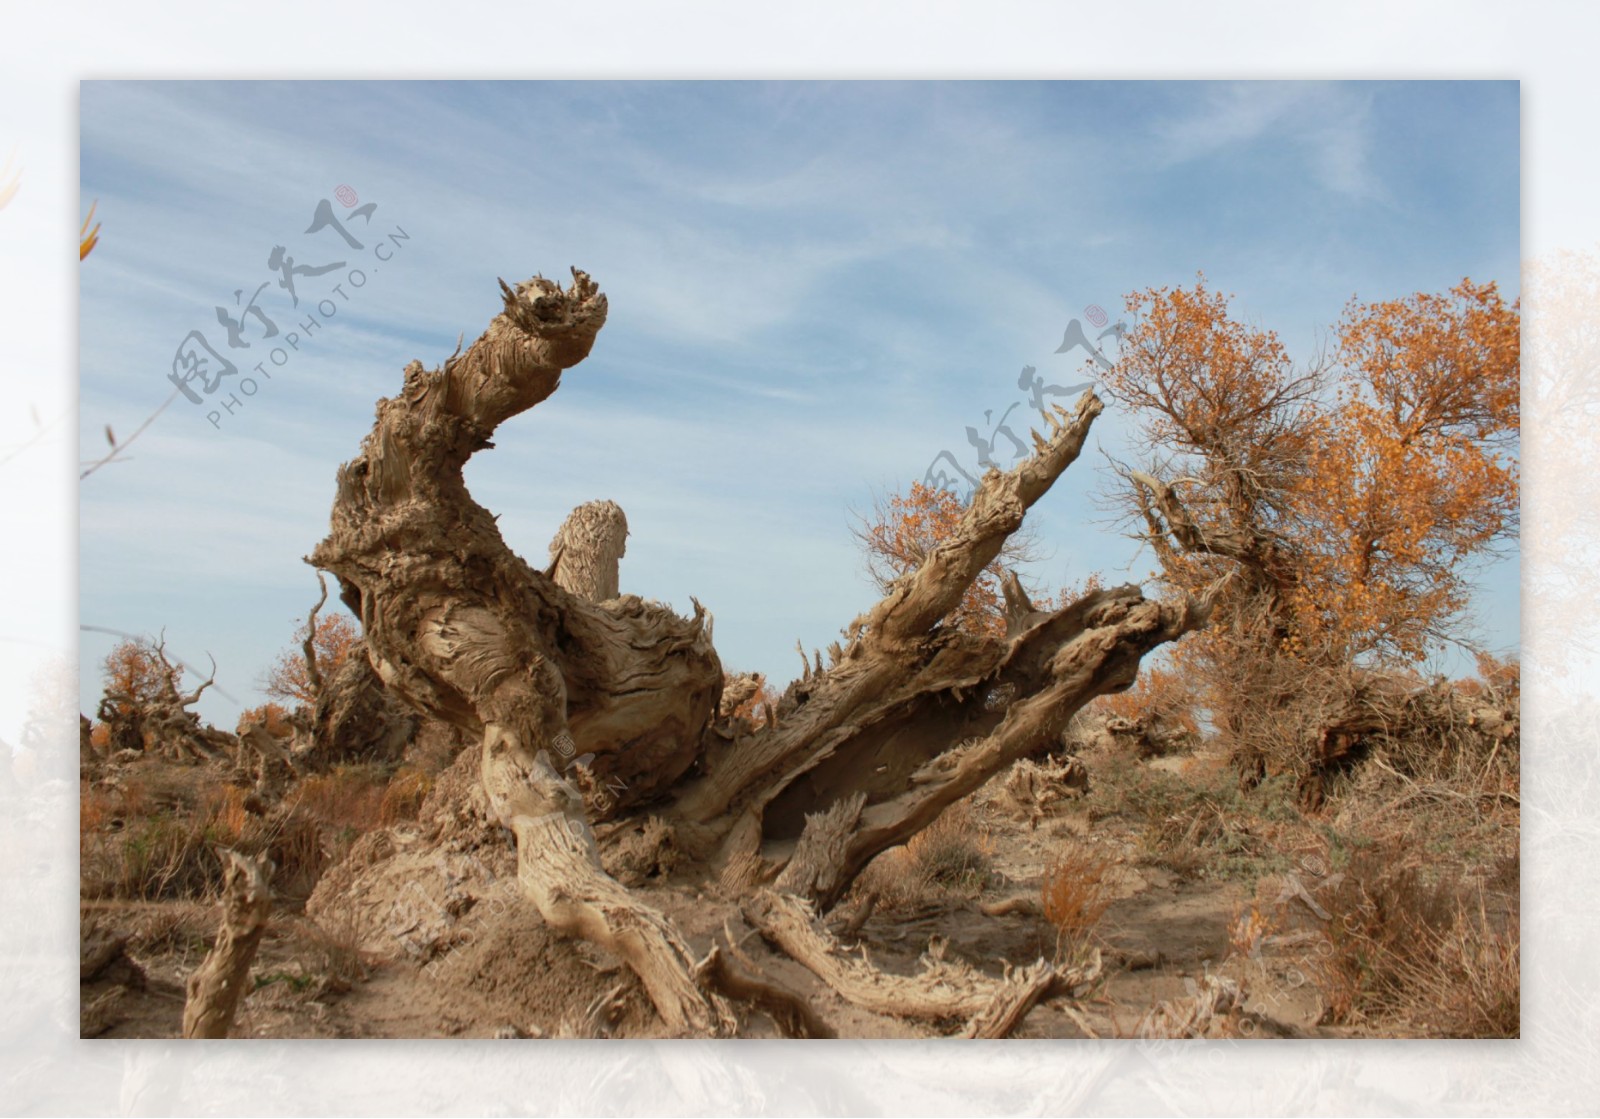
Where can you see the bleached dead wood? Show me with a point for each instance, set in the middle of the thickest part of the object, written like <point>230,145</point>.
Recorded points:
<point>217,985</point>
<point>554,669</point>
<point>945,990</point>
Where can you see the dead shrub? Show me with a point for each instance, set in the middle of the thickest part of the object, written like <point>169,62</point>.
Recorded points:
<point>944,857</point>
<point>1318,719</point>
<point>334,946</point>
<point>1410,953</point>
<point>946,854</point>
<point>1471,979</point>
<point>1075,894</point>
<point>402,799</point>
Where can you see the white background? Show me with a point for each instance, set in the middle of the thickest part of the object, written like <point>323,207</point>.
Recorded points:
<point>44,52</point>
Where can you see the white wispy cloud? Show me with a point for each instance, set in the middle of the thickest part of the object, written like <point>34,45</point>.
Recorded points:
<point>1325,125</point>
<point>814,289</point>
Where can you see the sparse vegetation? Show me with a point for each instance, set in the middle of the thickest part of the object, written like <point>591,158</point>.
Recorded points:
<point>1409,951</point>
<point>948,859</point>
<point>974,780</point>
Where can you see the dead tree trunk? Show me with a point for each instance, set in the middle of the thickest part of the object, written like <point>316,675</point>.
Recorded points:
<point>350,716</point>
<point>909,716</point>
<point>218,983</point>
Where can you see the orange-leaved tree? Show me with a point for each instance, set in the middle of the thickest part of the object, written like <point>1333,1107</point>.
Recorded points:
<point>272,716</point>
<point>1413,477</point>
<point>1343,501</point>
<point>135,674</point>
<point>287,679</point>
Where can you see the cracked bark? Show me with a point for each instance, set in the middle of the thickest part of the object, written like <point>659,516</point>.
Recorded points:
<point>540,665</point>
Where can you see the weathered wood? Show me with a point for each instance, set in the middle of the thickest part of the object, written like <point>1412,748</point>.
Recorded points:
<point>1017,994</point>
<point>587,549</point>
<point>792,1014</point>
<point>557,668</point>
<point>163,722</point>
<point>558,864</point>
<point>217,985</point>
<point>308,647</point>
<point>945,990</point>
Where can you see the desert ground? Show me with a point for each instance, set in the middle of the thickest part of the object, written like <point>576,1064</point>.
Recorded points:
<point>1189,907</point>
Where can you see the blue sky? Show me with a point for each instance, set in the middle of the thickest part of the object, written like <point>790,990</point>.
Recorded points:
<point>814,289</point>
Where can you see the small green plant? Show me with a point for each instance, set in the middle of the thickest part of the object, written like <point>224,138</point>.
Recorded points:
<point>296,983</point>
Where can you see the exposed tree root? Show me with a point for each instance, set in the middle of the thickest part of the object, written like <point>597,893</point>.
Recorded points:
<point>556,668</point>
<point>944,991</point>
<point>792,1014</point>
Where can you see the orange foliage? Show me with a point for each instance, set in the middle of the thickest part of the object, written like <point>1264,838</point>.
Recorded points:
<point>273,717</point>
<point>1077,889</point>
<point>753,711</point>
<point>134,670</point>
<point>337,635</point>
<point>1410,477</point>
<point>88,238</point>
<point>1158,693</point>
<point>1494,675</point>
<point>1349,497</point>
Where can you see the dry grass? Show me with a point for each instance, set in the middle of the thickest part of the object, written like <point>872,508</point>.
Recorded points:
<point>948,856</point>
<point>949,853</point>
<point>403,797</point>
<point>152,837</point>
<point>1402,952</point>
<point>295,844</point>
<point>1425,930</point>
<point>184,929</point>
<point>130,846</point>
<point>1075,894</point>
<point>142,845</point>
<point>1471,978</point>
<point>333,950</point>
<point>224,811</point>
<point>347,797</point>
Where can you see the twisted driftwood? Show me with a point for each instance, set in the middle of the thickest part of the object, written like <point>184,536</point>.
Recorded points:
<point>592,706</point>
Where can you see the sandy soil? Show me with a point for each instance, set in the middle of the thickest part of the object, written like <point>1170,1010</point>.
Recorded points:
<point>443,945</point>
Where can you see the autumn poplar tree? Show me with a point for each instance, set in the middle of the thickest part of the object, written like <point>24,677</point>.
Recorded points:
<point>1342,502</point>
<point>289,679</point>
